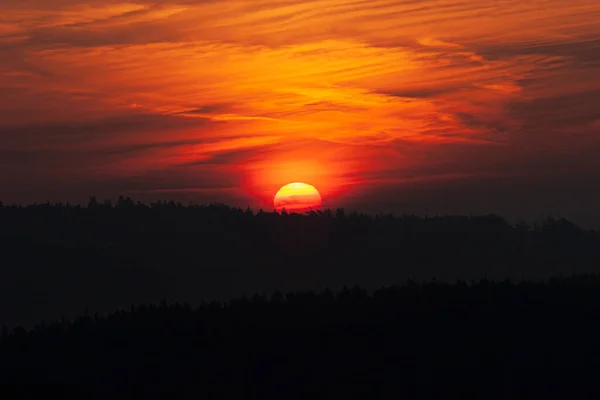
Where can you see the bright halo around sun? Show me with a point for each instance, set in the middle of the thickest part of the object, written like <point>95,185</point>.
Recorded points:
<point>297,197</point>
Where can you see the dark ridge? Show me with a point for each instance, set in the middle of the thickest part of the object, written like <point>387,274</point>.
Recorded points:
<point>481,339</point>
<point>492,324</point>
<point>58,259</point>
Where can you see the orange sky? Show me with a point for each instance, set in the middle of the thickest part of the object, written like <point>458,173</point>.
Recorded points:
<point>385,105</point>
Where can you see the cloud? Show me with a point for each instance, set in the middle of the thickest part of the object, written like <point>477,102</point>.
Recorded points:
<point>159,95</point>
<point>429,92</point>
<point>583,50</point>
<point>68,135</point>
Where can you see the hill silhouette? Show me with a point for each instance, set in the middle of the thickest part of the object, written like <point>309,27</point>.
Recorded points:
<point>125,300</point>
<point>484,339</point>
<point>59,259</point>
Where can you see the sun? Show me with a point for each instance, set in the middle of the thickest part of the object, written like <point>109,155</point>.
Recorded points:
<point>297,197</point>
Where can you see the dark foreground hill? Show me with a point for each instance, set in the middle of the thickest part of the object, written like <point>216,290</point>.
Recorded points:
<point>59,259</point>
<point>492,340</point>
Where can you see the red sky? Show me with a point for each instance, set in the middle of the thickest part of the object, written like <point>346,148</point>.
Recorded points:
<point>429,106</point>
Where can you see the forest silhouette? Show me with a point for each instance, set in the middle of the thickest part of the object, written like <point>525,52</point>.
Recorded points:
<point>171,301</point>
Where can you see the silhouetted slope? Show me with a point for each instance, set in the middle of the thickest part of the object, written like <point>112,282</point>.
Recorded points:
<point>434,340</point>
<point>59,259</point>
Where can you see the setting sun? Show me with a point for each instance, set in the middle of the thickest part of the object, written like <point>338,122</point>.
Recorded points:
<point>297,197</point>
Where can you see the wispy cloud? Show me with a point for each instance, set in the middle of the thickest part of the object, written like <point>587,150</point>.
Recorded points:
<point>257,93</point>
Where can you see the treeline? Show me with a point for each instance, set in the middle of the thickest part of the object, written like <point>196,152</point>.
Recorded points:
<point>161,233</point>
<point>480,339</point>
<point>60,258</point>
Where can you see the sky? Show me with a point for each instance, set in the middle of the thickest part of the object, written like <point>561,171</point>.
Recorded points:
<point>424,106</point>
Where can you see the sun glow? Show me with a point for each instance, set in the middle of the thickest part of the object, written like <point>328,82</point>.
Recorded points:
<point>297,197</point>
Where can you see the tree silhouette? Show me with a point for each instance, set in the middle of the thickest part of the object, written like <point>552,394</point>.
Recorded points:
<point>469,330</point>
<point>419,339</point>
